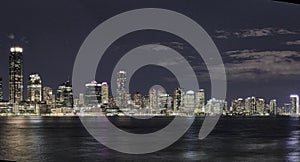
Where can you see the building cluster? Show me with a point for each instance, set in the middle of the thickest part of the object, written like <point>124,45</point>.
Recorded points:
<point>43,100</point>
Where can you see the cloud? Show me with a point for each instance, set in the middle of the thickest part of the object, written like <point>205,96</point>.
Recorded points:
<point>255,32</point>
<point>253,64</point>
<point>296,42</point>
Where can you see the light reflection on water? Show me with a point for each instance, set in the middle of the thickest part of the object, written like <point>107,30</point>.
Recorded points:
<point>293,143</point>
<point>234,139</point>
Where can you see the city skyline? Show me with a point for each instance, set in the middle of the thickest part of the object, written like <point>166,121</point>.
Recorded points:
<point>156,100</point>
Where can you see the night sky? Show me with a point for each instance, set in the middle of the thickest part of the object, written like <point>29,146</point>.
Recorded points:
<point>259,41</point>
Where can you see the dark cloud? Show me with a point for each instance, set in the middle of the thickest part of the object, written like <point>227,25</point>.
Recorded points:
<point>255,32</point>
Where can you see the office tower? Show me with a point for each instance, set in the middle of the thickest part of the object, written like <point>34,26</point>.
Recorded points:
<point>49,97</point>
<point>64,96</point>
<point>215,106</point>
<point>200,100</point>
<point>34,88</point>
<point>121,98</point>
<point>111,102</point>
<point>104,93</point>
<point>238,106</point>
<point>154,93</point>
<point>92,95</point>
<point>15,75</point>
<point>294,104</point>
<point>137,100</point>
<point>273,107</point>
<point>260,106</point>
<point>164,101</point>
<point>81,99</point>
<point>178,100</point>
<point>1,91</point>
<point>250,105</point>
<point>189,102</point>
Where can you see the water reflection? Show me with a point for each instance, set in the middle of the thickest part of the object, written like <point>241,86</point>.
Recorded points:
<point>292,142</point>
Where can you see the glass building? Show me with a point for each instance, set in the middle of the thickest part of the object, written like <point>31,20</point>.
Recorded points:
<point>200,100</point>
<point>104,93</point>
<point>64,95</point>
<point>16,75</point>
<point>294,104</point>
<point>178,99</point>
<point>121,98</point>
<point>92,94</point>
<point>49,97</point>
<point>34,88</point>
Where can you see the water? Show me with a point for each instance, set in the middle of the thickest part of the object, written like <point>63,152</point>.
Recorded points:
<point>233,139</point>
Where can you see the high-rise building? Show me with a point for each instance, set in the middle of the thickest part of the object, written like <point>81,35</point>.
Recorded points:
<point>200,100</point>
<point>294,104</point>
<point>164,101</point>
<point>34,88</point>
<point>215,106</point>
<point>250,105</point>
<point>104,93</point>
<point>1,91</point>
<point>121,98</point>
<point>137,100</point>
<point>64,96</point>
<point>92,94</point>
<point>273,107</point>
<point>15,75</point>
<point>178,100</point>
<point>81,99</point>
<point>238,106</point>
<point>189,102</point>
<point>49,97</point>
<point>260,106</point>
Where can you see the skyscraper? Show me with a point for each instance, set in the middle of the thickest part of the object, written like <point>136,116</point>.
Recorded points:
<point>273,107</point>
<point>34,88</point>
<point>189,102</point>
<point>200,100</point>
<point>64,96</point>
<point>178,99</point>
<point>49,97</point>
<point>294,104</point>
<point>1,92</point>
<point>137,100</point>
<point>92,94</point>
<point>104,93</point>
<point>121,98</point>
<point>15,75</point>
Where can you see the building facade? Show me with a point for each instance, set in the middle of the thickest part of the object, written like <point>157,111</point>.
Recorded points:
<point>16,75</point>
<point>64,95</point>
<point>34,88</point>
<point>92,95</point>
<point>104,93</point>
<point>121,98</point>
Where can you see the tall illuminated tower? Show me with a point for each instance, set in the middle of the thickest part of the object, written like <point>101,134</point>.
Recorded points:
<point>294,104</point>
<point>64,96</point>
<point>200,100</point>
<point>34,88</point>
<point>104,93</point>
<point>49,97</point>
<point>121,98</point>
<point>1,92</point>
<point>92,94</point>
<point>178,99</point>
<point>273,107</point>
<point>16,75</point>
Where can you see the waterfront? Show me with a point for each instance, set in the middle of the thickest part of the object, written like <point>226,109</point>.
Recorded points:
<point>233,139</point>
